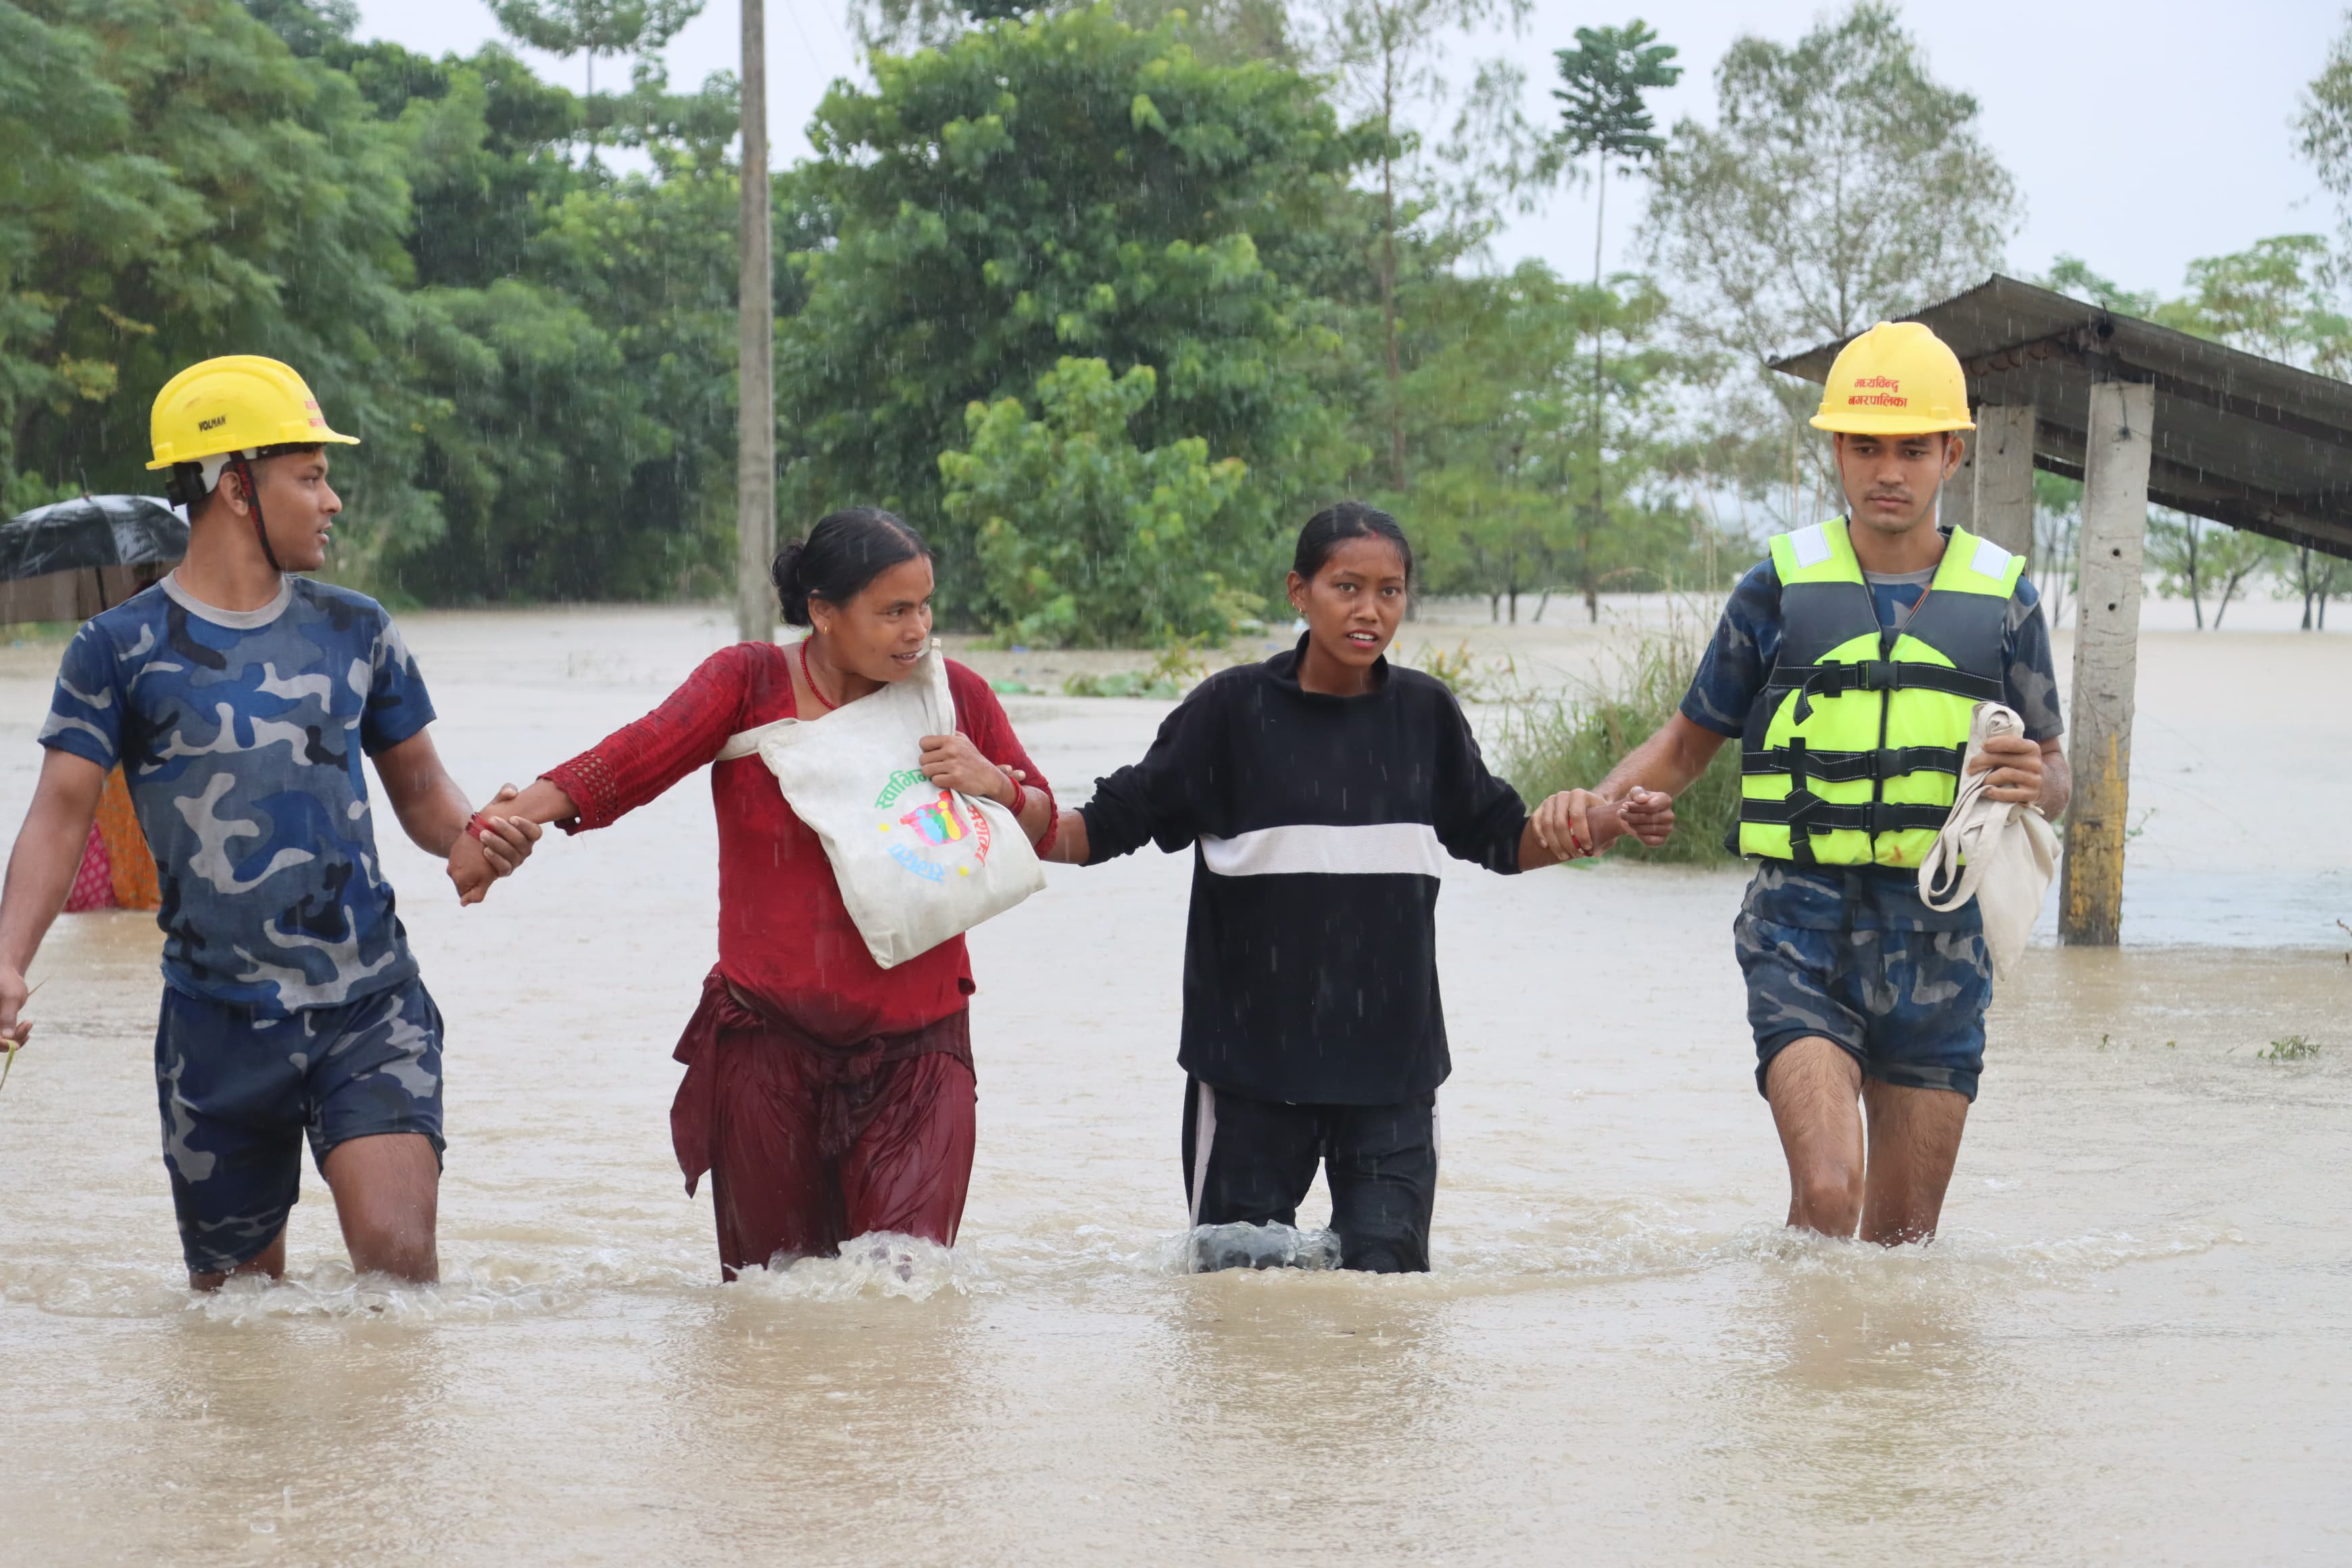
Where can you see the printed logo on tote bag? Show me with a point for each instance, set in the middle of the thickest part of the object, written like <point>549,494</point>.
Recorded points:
<point>934,836</point>
<point>946,843</point>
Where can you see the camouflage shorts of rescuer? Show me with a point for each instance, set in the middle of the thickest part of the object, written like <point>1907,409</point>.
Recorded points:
<point>1905,997</point>
<point>239,1093</point>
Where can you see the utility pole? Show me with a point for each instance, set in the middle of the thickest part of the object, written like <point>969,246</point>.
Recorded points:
<point>755,425</point>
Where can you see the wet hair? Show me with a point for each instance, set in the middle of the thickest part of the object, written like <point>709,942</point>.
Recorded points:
<point>1337,523</point>
<point>846,551</point>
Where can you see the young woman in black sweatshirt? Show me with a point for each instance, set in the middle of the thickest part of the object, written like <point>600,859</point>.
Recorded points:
<point>1319,791</point>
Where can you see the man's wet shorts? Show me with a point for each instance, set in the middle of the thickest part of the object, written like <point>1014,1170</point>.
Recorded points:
<point>1856,958</point>
<point>238,1094</point>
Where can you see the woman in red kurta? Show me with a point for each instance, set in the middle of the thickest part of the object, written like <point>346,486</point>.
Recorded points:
<point>827,1096</point>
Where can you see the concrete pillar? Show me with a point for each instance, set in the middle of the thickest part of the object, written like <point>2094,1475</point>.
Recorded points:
<point>2107,661</point>
<point>1957,506</point>
<point>2004,468</point>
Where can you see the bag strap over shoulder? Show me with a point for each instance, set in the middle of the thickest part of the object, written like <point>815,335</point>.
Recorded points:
<point>940,700</point>
<point>943,696</point>
<point>746,743</point>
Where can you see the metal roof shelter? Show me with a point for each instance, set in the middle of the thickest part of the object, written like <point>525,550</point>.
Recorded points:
<point>2138,413</point>
<point>2239,439</point>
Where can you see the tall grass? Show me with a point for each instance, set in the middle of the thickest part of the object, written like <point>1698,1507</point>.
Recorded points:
<point>1572,740</point>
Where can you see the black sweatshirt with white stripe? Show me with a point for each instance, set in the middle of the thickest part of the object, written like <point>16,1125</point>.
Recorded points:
<point>1317,824</point>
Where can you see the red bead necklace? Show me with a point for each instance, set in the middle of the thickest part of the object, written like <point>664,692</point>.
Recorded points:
<point>814,690</point>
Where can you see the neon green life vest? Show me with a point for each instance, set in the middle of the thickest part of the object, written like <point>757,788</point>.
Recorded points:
<point>1853,750</point>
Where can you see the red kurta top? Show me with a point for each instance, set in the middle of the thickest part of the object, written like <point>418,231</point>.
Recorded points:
<point>783,933</point>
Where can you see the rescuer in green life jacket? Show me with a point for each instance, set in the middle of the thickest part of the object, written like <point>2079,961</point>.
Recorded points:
<point>1848,665</point>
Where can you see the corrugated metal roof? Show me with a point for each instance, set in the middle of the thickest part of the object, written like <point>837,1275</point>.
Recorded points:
<point>2239,439</point>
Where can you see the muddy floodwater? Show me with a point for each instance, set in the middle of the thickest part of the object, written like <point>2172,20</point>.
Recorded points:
<point>2131,1344</point>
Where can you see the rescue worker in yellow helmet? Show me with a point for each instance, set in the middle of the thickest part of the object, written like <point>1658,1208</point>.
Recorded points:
<point>1848,663</point>
<point>239,700</point>
<point>223,416</point>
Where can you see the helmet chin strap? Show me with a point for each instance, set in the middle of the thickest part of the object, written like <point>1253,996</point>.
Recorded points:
<point>244,471</point>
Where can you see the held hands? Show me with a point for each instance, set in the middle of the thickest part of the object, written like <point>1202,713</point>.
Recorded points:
<point>476,862</point>
<point>2015,764</point>
<point>1576,822</point>
<point>952,762</point>
<point>1648,815</point>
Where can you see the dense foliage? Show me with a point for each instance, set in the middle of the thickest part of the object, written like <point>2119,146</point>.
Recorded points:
<point>1105,296</point>
<point>1066,185</point>
<point>1066,510</point>
<point>537,352</point>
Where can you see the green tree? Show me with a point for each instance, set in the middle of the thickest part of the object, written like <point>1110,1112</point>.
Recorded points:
<point>1222,32</point>
<point>571,346</point>
<point>482,142</point>
<point>1061,186</point>
<point>1841,186</point>
<point>308,30</point>
<point>2195,557</point>
<point>580,437</point>
<point>1083,537</point>
<point>2324,124</point>
<point>2317,576</point>
<point>2071,274</point>
<point>1602,112</point>
<point>594,27</point>
<point>2279,297</point>
<point>1602,108</point>
<point>2057,534</point>
<point>1386,60</point>
<point>176,183</point>
<point>1506,422</point>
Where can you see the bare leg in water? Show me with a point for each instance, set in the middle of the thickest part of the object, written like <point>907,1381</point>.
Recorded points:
<point>1895,1194</point>
<point>387,1196</point>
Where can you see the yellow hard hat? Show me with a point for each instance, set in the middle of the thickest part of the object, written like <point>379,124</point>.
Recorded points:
<point>1896,379</point>
<point>239,403</point>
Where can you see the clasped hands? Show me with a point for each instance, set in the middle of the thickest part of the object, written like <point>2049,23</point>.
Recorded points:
<point>474,862</point>
<point>1578,822</point>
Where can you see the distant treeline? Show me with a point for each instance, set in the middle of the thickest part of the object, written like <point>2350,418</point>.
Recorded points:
<point>1105,298</point>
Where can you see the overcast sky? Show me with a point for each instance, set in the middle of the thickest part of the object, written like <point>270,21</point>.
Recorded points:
<point>2141,135</point>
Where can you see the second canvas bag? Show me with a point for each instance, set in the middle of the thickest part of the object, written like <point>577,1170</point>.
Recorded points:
<point>917,864</point>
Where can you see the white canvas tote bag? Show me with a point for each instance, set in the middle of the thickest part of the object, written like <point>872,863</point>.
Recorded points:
<point>2000,853</point>
<point>917,864</point>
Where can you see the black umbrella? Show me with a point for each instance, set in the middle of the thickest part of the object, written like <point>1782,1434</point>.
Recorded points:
<point>69,561</point>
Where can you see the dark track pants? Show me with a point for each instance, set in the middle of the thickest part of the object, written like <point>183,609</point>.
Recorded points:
<point>1251,1161</point>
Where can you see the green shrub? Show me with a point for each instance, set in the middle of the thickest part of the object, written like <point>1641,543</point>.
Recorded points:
<point>1176,671</point>
<point>1572,740</point>
<point>1457,670</point>
<point>1085,539</point>
<point>2294,1049</point>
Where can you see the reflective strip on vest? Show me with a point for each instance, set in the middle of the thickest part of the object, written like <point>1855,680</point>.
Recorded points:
<point>1851,752</point>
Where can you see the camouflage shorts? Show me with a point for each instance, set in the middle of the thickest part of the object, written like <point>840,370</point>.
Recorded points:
<point>238,1094</point>
<point>1908,1005</point>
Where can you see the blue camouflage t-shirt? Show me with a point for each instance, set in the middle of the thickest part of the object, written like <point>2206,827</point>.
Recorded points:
<point>240,733</point>
<point>1732,674</point>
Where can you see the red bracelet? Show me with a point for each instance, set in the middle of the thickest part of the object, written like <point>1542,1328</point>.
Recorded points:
<point>479,826</point>
<point>1020,796</point>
